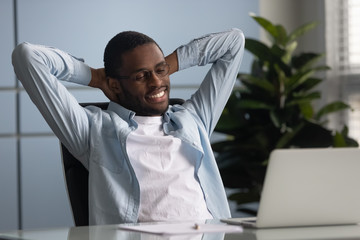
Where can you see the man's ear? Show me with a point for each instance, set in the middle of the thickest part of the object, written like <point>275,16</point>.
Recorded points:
<point>114,85</point>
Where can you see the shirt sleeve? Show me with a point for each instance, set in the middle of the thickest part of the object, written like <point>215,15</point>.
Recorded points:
<point>224,51</point>
<point>39,68</point>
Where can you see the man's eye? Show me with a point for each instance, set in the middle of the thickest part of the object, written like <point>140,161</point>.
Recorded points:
<point>161,71</point>
<point>140,76</point>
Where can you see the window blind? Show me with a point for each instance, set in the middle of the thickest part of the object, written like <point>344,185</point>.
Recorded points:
<point>343,56</point>
<point>349,36</point>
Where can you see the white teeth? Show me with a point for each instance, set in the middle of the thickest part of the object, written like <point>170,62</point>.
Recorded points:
<point>160,94</point>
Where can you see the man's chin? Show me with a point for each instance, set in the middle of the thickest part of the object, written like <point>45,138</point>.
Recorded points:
<point>160,110</point>
<point>157,109</point>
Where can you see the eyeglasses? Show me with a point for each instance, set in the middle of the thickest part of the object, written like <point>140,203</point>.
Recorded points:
<point>160,71</point>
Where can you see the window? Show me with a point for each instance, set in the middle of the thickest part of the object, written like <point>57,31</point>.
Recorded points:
<point>343,56</point>
<point>350,36</point>
<point>354,34</point>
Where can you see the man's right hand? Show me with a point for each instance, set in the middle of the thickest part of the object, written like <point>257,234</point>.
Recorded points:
<point>99,80</point>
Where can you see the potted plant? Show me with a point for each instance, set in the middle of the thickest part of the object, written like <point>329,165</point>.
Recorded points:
<point>272,107</point>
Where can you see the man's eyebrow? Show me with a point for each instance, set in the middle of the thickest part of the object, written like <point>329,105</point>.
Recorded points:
<point>145,69</point>
<point>160,63</point>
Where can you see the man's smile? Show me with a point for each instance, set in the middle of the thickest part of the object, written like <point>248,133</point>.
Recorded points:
<point>158,95</point>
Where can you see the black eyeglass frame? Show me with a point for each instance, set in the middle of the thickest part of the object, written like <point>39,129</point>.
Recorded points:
<point>147,74</point>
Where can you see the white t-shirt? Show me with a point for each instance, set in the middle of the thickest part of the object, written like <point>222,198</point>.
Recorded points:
<point>165,169</point>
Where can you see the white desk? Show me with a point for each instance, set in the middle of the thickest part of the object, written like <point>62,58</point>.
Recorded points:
<point>112,232</point>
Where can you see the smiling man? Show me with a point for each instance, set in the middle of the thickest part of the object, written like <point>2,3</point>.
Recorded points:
<point>147,161</point>
<point>138,73</point>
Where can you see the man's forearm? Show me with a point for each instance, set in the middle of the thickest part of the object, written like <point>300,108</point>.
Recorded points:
<point>98,77</point>
<point>100,81</point>
<point>172,60</point>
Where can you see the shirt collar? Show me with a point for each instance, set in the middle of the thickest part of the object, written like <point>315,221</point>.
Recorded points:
<point>124,113</point>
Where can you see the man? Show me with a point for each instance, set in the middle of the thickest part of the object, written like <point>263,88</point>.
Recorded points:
<point>147,161</point>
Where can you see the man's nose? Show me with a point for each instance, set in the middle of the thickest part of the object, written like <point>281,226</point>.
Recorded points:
<point>154,79</point>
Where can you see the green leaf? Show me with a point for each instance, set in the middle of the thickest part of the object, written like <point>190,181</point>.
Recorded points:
<point>309,84</point>
<point>339,140</point>
<point>289,51</point>
<point>267,25</point>
<point>303,99</point>
<point>331,108</point>
<point>305,60</point>
<point>349,141</point>
<point>278,51</point>
<point>261,83</point>
<point>307,110</point>
<point>257,68</point>
<point>321,68</point>
<point>275,119</point>
<point>253,104</point>
<point>287,137</point>
<point>264,54</point>
<point>281,35</point>
<point>279,81</point>
<point>301,31</point>
<point>298,79</point>
<point>260,50</point>
<point>345,131</point>
<point>284,67</point>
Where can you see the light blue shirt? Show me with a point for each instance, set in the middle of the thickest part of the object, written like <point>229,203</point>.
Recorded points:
<point>98,138</point>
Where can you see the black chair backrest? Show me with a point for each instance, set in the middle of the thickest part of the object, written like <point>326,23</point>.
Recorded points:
<point>77,176</point>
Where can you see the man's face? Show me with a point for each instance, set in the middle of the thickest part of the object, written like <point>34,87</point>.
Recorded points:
<point>144,91</point>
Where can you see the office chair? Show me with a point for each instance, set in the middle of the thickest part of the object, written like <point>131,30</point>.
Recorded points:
<point>77,176</point>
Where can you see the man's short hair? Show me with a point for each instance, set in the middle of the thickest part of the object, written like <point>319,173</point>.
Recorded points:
<point>118,45</point>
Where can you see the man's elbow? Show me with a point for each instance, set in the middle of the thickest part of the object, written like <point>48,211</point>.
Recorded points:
<point>21,58</point>
<point>21,55</point>
<point>239,40</point>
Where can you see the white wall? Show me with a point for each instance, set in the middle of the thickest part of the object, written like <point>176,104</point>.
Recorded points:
<point>83,27</point>
<point>292,14</point>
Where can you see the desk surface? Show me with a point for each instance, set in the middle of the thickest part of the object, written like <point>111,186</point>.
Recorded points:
<point>112,232</point>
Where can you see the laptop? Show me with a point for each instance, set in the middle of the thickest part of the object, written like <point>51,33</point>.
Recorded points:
<point>309,187</point>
